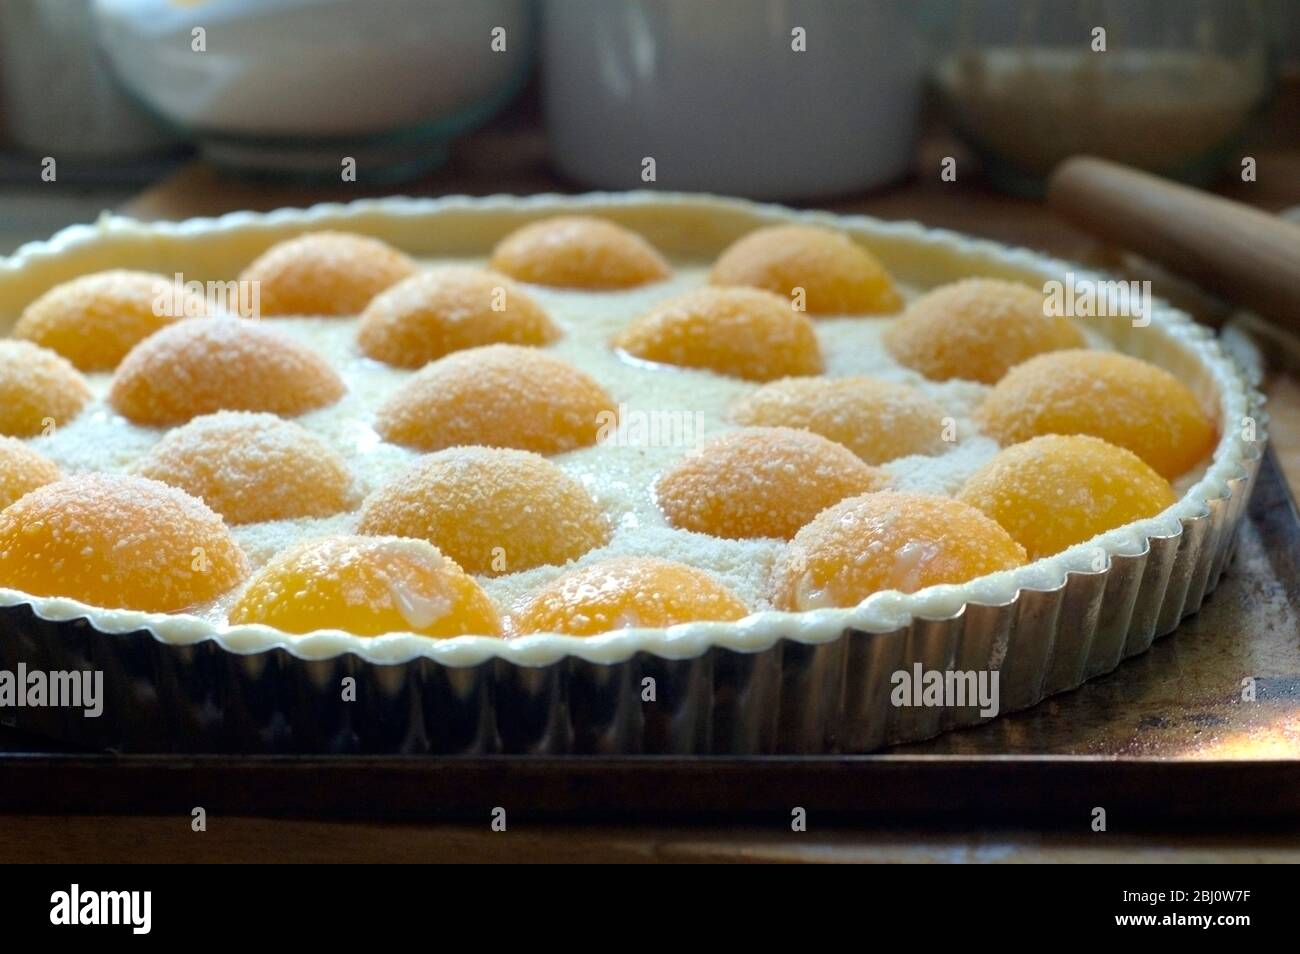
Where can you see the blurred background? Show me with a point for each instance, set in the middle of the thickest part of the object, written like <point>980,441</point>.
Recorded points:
<point>949,112</point>
<point>168,108</point>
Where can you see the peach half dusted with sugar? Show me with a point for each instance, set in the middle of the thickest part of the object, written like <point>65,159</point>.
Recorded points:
<point>761,482</point>
<point>94,320</point>
<point>579,251</point>
<point>441,310</point>
<point>493,510</point>
<point>39,389</point>
<point>325,273</point>
<point>976,329</point>
<point>625,593</point>
<point>1123,400</point>
<point>1055,491</point>
<point>367,586</point>
<point>498,395</point>
<point>252,467</point>
<point>835,274</point>
<point>201,365</point>
<point>889,541</point>
<point>119,542</point>
<point>739,332</point>
<point>22,470</point>
<point>877,420</point>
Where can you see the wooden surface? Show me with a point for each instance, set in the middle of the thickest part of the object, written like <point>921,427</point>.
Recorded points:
<point>510,157</point>
<point>170,840</point>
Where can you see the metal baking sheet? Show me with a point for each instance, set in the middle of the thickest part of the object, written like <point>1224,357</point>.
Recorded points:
<point>1205,726</point>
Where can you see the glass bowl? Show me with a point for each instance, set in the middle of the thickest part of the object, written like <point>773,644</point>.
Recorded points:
<point>1170,86</point>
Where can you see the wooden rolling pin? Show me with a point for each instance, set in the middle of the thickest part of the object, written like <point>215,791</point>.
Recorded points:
<point>1245,255</point>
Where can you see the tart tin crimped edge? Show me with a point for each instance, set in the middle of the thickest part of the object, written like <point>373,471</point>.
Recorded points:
<point>1193,536</point>
<point>789,697</point>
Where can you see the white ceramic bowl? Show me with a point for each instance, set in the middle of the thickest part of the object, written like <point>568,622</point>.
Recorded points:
<point>280,79</point>
<point>716,94</point>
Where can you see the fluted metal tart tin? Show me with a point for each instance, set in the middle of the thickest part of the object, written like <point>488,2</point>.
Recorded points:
<point>813,682</point>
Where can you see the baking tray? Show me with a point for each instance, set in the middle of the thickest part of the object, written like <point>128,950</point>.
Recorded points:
<point>1165,738</point>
